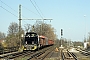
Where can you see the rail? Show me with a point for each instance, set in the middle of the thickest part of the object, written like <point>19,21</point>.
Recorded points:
<point>40,55</point>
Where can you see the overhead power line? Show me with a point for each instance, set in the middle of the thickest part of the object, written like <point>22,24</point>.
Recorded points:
<point>9,11</point>
<point>30,10</point>
<point>36,9</point>
<point>8,6</point>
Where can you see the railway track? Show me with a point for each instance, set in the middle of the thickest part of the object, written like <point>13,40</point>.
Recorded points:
<point>15,55</point>
<point>31,54</point>
<point>84,52</point>
<point>8,50</point>
<point>49,53</point>
<point>41,55</point>
<point>66,55</point>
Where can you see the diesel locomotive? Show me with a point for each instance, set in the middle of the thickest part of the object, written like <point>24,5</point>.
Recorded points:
<point>33,41</point>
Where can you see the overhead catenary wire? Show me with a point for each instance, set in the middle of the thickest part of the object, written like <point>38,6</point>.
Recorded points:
<point>24,7</point>
<point>36,9</point>
<point>8,6</point>
<point>9,11</point>
<point>29,10</point>
<point>16,11</point>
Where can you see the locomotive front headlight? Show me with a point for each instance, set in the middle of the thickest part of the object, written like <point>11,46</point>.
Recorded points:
<point>26,42</point>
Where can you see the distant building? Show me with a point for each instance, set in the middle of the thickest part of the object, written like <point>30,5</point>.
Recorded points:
<point>85,45</point>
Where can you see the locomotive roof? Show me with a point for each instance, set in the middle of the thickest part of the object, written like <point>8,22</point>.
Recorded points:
<point>31,33</point>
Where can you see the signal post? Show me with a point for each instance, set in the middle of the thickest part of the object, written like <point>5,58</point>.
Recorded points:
<point>61,37</point>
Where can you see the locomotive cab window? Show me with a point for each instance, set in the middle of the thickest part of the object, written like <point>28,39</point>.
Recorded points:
<point>31,38</point>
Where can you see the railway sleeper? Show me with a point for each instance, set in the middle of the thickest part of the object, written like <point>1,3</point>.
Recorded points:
<point>62,55</point>
<point>38,54</point>
<point>70,54</point>
<point>74,56</point>
<point>41,57</point>
<point>67,56</point>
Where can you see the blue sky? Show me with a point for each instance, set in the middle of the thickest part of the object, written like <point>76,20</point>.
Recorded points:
<point>66,14</point>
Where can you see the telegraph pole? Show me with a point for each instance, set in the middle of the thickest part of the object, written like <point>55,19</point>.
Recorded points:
<point>20,24</point>
<point>25,19</point>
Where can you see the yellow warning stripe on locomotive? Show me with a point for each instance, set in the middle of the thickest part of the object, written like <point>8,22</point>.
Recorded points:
<point>35,47</point>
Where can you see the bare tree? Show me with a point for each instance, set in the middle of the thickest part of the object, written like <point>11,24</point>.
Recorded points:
<point>2,35</point>
<point>45,29</point>
<point>13,28</point>
<point>27,27</point>
<point>13,34</point>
